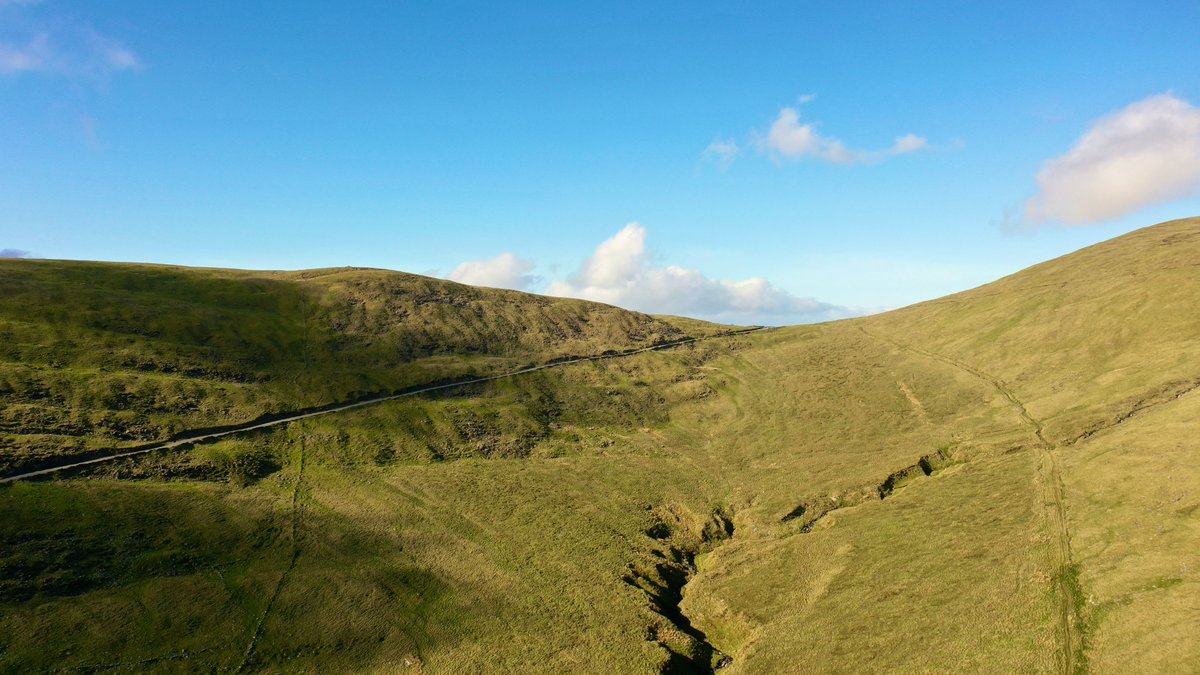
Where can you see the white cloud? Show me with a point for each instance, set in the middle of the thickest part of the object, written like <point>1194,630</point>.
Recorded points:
<point>1143,154</point>
<point>789,138</point>
<point>908,143</point>
<point>723,150</point>
<point>504,271</point>
<point>621,273</point>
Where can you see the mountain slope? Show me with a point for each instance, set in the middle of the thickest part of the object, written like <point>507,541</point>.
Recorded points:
<point>1084,338</point>
<point>100,355</point>
<point>1004,480</point>
<point>1015,558</point>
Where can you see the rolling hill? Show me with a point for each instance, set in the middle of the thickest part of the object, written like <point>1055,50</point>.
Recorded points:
<point>99,355</point>
<point>1002,480</point>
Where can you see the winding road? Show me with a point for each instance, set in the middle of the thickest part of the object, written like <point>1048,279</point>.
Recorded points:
<point>201,436</point>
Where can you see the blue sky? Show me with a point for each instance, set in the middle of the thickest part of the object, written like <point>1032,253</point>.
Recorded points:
<point>593,143</point>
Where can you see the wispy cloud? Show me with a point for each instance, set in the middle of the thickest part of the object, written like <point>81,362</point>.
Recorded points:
<point>504,271</point>
<point>60,46</point>
<point>620,272</point>
<point>789,138</point>
<point>33,55</point>
<point>1143,154</point>
<point>723,151</point>
<point>114,55</point>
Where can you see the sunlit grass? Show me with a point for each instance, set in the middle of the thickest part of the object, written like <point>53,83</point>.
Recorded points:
<point>516,527</point>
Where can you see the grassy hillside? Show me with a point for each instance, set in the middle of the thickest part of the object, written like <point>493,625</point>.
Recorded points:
<point>443,532</point>
<point>1058,526</point>
<point>1004,480</point>
<point>1083,338</point>
<point>97,355</point>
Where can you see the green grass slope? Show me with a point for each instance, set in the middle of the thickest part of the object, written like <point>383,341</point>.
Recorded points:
<point>99,355</point>
<point>1004,480</point>
<point>1065,516</point>
<point>485,531</point>
<point>1083,338</point>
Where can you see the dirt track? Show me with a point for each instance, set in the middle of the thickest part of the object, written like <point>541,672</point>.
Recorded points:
<point>1056,510</point>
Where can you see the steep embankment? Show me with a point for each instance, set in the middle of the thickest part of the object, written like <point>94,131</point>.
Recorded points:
<point>97,355</point>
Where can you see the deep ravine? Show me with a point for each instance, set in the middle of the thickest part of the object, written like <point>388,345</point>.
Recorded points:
<point>663,572</point>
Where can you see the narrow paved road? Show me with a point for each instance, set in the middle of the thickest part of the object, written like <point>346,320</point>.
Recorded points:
<point>253,426</point>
